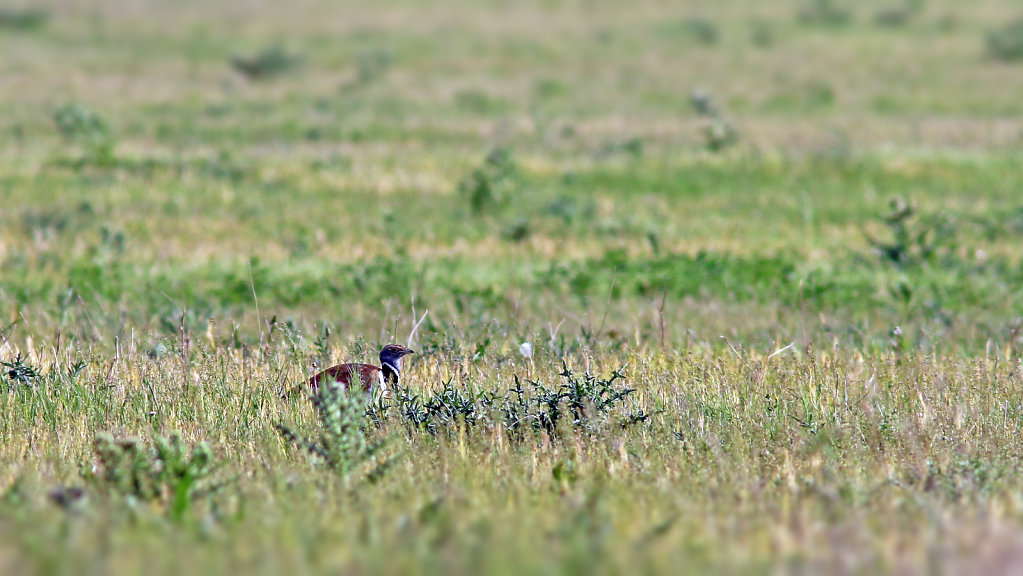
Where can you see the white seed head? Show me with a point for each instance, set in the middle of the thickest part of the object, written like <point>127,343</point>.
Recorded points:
<point>526,349</point>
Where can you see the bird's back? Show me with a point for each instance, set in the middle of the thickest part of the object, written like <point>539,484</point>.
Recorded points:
<point>365,376</point>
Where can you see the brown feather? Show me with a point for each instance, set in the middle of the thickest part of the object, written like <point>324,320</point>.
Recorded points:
<point>368,376</point>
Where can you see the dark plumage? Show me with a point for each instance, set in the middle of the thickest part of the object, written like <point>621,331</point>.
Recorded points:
<point>365,376</point>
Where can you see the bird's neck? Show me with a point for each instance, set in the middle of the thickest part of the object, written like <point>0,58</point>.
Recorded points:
<point>391,371</point>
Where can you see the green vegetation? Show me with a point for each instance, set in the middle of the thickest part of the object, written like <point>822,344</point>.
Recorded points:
<point>25,19</point>
<point>167,473</point>
<point>1006,43</point>
<point>825,12</point>
<point>81,126</point>
<point>720,288</point>
<point>270,62</point>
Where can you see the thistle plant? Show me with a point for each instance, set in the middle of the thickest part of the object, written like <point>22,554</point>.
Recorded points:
<point>343,443</point>
<point>170,472</point>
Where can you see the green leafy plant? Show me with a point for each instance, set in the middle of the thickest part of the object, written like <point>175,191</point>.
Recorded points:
<point>19,373</point>
<point>762,33</point>
<point>571,210</point>
<point>898,15</point>
<point>491,184</point>
<point>373,64</point>
<point>80,125</point>
<point>699,30</point>
<point>632,147</point>
<point>25,20</point>
<point>169,472</point>
<point>269,63</point>
<point>585,403</point>
<point>479,102</point>
<point>718,132</point>
<point>914,238</point>
<point>1006,43</point>
<point>824,13</point>
<point>343,443</point>
<point>893,16</point>
<point>517,230</point>
<point>703,31</point>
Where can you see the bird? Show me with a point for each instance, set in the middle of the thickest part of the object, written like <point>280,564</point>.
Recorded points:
<point>365,376</point>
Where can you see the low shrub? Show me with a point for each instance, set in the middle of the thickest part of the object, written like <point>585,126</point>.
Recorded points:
<point>271,62</point>
<point>1006,43</point>
<point>169,472</point>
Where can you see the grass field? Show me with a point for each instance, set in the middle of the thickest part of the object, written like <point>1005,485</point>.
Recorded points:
<point>767,258</point>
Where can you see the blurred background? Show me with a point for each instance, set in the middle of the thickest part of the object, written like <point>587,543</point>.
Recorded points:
<point>559,76</point>
<point>794,227</point>
<point>521,162</point>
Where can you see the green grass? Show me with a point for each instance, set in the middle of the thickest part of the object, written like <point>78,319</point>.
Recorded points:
<point>771,457</point>
<point>201,207</point>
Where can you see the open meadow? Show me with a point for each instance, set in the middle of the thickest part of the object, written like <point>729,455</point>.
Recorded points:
<point>697,287</point>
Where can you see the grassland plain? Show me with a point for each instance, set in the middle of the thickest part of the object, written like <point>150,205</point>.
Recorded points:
<point>794,227</point>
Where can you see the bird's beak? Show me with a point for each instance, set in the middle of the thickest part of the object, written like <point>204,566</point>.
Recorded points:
<point>407,351</point>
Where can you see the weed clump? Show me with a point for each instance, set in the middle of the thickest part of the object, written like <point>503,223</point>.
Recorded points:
<point>271,62</point>
<point>19,373</point>
<point>80,125</point>
<point>584,403</point>
<point>915,239</point>
<point>517,230</point>
<point>893,16</point>
<point>698,30</point>
<point>718,132</point>
<point>1006,43</point>
<point>632,147</point>
<point>490,185</point>
<point>373,64</point>
<point>23,20</point>
<point>824,13</point>
<point>762,33</point>
<point>169,472</point>
<point>898,15</point>
<point>702,31</point>
<point>343,444</point>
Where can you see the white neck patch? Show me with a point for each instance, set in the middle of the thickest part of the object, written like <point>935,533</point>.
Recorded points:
<point>395,369</point>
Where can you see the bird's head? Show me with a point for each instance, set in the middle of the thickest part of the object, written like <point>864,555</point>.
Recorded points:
<point>393,353</point>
